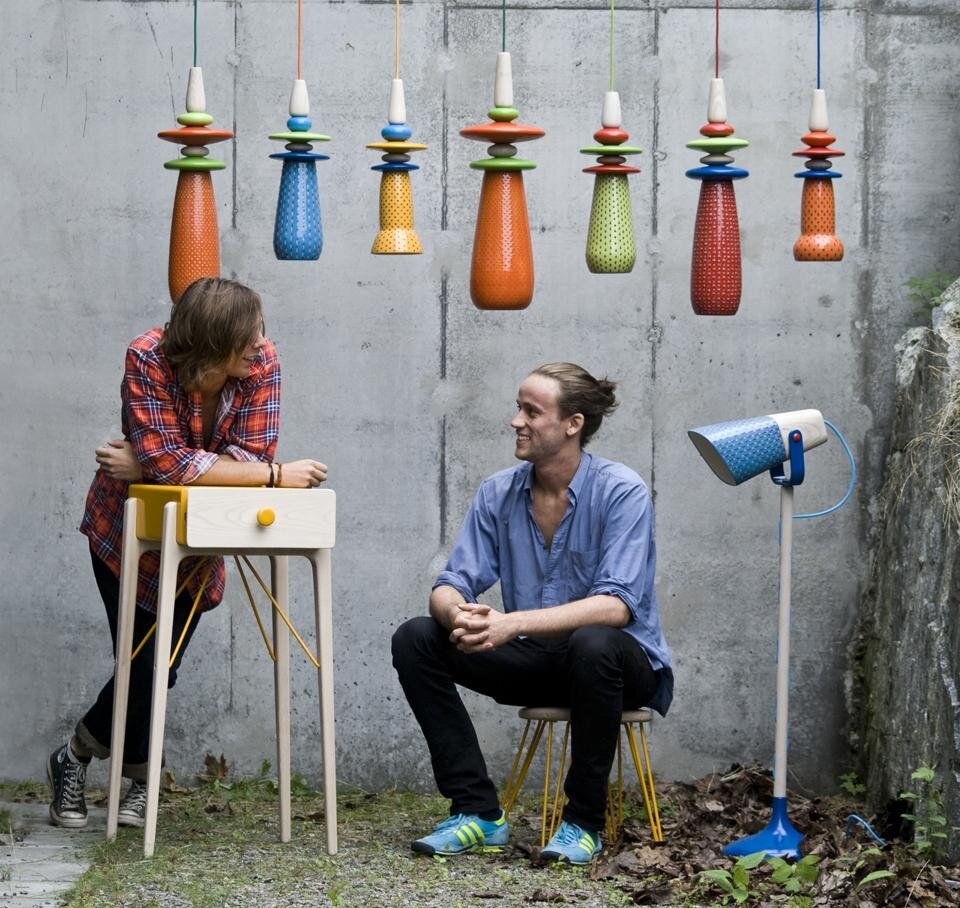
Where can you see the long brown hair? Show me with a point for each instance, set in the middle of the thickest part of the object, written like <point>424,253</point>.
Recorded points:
<point>581,393</point>
<point>213,319</point>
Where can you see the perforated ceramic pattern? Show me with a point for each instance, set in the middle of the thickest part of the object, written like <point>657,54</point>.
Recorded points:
<point>746,446</point>
<point>194,235</point>
<point>611,245</point>
<point>715,280</point>
<point>818,241</point>
<point>298,232</point>
<point>396,235</point>
<point>501,273</point>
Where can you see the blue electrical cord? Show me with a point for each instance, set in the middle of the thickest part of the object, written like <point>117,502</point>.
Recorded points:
<point>853,477</point>
<point>852,819</point>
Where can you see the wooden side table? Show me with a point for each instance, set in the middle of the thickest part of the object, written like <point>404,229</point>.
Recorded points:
<point>185,521</point>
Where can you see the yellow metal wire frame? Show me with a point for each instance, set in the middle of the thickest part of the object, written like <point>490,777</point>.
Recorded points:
<point>180,589</point>
<point>552,808</point>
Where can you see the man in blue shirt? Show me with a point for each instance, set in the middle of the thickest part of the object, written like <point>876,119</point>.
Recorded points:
<point>570,538</point>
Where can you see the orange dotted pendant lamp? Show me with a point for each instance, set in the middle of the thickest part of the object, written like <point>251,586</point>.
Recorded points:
<point>818,240</point>
<point>194,235</point>
<point>501,272</point>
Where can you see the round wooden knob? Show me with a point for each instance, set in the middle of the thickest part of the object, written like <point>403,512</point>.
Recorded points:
<point>266,516</point>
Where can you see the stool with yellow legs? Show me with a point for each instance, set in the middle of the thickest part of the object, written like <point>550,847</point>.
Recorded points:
<point>540,722</point>
<point>184,522</point>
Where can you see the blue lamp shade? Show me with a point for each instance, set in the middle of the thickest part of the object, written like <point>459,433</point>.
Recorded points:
<point>743,448</point>
<point>298,232</point>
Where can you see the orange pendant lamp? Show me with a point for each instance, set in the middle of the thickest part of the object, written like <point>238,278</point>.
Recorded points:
<point>501,271</point>
<point>194,236</point>
<point>818,240</point>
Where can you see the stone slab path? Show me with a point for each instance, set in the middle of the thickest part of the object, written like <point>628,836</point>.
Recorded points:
<point>41,862</point>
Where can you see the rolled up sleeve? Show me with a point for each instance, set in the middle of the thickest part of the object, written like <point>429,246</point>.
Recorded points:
<point>627,549</point>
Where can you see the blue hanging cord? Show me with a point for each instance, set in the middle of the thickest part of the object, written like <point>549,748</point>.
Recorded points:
<point>818,43</point>
<point>853,477</point>
<point>853,818</point>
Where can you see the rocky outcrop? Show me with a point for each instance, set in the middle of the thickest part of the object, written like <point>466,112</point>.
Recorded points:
<point>906,708</point>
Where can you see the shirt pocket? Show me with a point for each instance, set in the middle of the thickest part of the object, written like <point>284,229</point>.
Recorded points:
<point>581,572</point>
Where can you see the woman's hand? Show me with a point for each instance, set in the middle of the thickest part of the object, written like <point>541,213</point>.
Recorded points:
<point>117,460</point>
<point>302,474</point>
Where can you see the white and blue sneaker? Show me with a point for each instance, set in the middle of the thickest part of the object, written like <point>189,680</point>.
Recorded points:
<point>572,844</point>
<point>463,833</point>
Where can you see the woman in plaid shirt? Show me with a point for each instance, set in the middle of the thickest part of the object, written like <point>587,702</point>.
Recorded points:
<point>200,406</point>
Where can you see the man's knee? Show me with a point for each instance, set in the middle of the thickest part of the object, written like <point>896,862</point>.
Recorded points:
<point>413,639</point>
<point>592,646</point>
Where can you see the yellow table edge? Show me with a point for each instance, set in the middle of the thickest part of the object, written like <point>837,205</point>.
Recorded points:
<point>150,516</point>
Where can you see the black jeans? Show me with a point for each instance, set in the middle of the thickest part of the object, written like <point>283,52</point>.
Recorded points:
<point>96,727</point>
<point>596,672</point>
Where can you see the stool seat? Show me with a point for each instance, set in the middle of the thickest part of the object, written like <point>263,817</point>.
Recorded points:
<point>183,521</point>
<point>541,720</point>
<point>561,714</point>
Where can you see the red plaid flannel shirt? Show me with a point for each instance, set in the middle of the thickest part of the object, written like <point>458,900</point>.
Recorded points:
<point>164,424</point>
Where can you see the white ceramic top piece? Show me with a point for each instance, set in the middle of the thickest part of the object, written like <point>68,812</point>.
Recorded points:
<point>717,104</point>
<point>196,100</point>
<point>818,111</point>
<point>299,99</point>
<point>809,422</point>
<point>503,83</point>
<point>398,109</point>
<point>611,117</point>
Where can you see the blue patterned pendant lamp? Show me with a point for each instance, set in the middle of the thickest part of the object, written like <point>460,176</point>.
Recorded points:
<point>298,231</point>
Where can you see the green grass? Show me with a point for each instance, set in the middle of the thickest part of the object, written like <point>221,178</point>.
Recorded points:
<point>217,845</point>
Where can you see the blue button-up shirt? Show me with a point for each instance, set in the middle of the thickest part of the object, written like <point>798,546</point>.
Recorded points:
<point>603,545</point>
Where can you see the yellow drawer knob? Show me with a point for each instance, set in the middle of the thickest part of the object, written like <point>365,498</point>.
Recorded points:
<point>265,517</point>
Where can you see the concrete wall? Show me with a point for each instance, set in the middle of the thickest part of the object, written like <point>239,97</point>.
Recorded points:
<point>395,380</point>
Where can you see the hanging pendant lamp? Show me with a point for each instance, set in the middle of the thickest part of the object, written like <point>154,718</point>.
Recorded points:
<point>818,241</point>
<point>501,271</point>
<point>715,275</point>
<point>611,245</point>
<point>397,235</point>
<point>298,229</point>
<point>194,234</point>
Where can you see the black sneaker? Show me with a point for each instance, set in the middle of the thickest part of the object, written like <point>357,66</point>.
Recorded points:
<point>67,779</point>
<point>133,807</point>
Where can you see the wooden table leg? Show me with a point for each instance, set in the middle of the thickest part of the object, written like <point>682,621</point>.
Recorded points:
<point>281,678</point>
<point>323,603</point>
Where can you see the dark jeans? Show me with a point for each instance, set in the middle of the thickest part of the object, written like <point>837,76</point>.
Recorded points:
<point>596,672</point>
<point>96,727</point>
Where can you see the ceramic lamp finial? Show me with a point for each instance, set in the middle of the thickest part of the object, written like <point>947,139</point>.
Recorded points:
<point>717,103</point>
<point>196,100</point>
<point>819,121</point>
<point>611,117</point>
<point>398,108</point>
<point>503,83</point>
<point>299,99</point>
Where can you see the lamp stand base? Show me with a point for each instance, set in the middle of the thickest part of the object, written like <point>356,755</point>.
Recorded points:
<point>777,840</point>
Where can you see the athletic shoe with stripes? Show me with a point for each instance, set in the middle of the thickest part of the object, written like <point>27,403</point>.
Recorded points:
<point>462,833</point>
<point>573,844</point>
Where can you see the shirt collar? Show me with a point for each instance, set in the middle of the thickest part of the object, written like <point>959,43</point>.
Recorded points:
<point>576,484</point>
